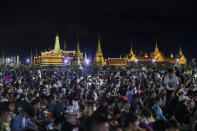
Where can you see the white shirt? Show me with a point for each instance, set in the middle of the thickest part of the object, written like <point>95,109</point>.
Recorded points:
<point>174,81</point>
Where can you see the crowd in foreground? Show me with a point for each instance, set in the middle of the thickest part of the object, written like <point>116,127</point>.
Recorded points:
<point>39,99</point>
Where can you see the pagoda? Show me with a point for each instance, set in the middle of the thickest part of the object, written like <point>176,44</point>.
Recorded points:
<point>131,55</point>
<point>181,58</point>
<point>99,59</point>
<point>78,56</point>
<point>55,57</point>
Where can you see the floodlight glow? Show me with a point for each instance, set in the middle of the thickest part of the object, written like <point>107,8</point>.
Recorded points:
<point>177,60</point>
<point>136,60</point>
<point>87,61</point>
<point>28,60</point>
<point>65,61</point>
<point>153,61</point>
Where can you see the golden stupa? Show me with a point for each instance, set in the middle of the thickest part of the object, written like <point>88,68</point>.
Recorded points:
<point>157,57</point>
<point>57,56</point>
<point>99,59</point>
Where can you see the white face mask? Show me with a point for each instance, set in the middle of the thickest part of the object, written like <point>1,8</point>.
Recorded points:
<point>37,95</point>
<point>43,107</point>
<point>9,119</point>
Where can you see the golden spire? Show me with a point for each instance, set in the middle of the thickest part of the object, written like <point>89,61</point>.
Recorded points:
<point>85,57</point>
<point>131,51</point>
<point>78,50</point>
<point>64,45</point>
<point>171,55</point>
<point>156,48</point>
<point>99,46</point>
<point>99,59</point>
<point>146,55</point>
<point>120,56</point>
<point>57,43</point>
<point>180,52</point>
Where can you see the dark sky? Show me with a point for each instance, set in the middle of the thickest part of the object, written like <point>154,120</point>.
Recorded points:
<point>26,25</point>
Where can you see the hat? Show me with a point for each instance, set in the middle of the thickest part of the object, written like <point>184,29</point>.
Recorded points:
<point>183,97</point>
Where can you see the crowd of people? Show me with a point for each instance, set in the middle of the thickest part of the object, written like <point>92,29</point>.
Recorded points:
<point>95,99</point>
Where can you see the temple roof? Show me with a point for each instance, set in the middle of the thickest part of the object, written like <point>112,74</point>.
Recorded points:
<point>117,61</point>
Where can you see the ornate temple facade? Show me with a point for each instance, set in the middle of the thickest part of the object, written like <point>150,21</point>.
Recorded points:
<point>59,57</point>
<point>154,57</point>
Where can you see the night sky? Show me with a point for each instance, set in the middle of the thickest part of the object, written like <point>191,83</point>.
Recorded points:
<point>26,25</point>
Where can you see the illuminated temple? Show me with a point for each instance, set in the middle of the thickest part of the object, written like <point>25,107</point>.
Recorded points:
<point>59,57</point>
<point>154,57</point>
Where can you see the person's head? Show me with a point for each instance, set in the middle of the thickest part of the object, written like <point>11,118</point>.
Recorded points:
<point>36,104</point>
<point>85,91</point>
<point>5,113</point>
<point>110,104</point>
<point>67,126</point>
<point>195,96</point>
<point>153,94</point>
<point>132,122</point>
<point>98,126</point>
<point>43,101</point>
<point>16,96</point>
<point>28,111</point>
<point>171,73</point>
<point>164,92</point>
<point>9,105</point>
<point>158,100</point>
<point>146,113</point>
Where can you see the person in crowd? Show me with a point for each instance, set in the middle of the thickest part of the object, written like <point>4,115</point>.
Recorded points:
<point>171,83</point>
<point>182,113</point>
<point>23,121</point>
<point>5,118</point>
<point>157,109</point>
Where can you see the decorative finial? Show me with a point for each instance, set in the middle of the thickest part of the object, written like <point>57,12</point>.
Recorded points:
<point>180,51</point>
<point>57,43</point>
<point>85,57</point>
<point>171,55</point>
<point>64,45</point>
<point>131,51</point>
